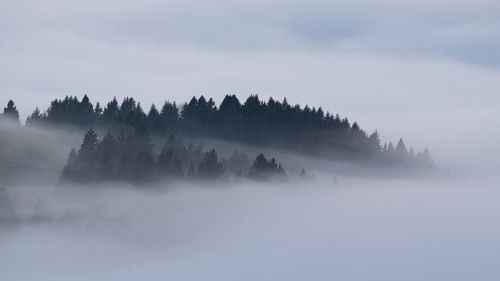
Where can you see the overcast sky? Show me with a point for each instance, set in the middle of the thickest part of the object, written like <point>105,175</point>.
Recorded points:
<point>424,70</point>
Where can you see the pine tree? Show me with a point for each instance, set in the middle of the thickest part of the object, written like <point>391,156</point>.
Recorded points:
<point>86,115</point>
<point>189,111</point>
<point>35,118</point>
<point>425,158</point>
<point>170,163</point>
<point>89,140</point>
<point>401,147</point>
<point>10,112</point>
<point>374,143</point>
<point>110,114</point>
<point>97,112</point>
<point>154,119</point>
<point>210,167</point>
<point>86,154</point>
<point>69,169</point>
<point>263,169</point>
<point>169,115</point>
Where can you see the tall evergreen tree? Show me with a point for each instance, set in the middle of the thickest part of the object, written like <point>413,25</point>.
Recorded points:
<point>35,118</point>
<point>263,169</point>
<point>69,168</point>
<point>10,111</point>
<point>170,115</point>
<point>401,148</point>
<point>170,163</point>
<point>111,112</point>
<point>189,110</point>
<point>210,167</point>
<point>154,120</point>
<point>374,143</point>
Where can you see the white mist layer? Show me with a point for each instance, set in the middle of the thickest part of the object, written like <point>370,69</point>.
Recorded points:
<point>391,230</point>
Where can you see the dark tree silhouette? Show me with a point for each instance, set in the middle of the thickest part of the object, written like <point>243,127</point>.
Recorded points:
<point>272,124</point>
<point>110,113</point>
<point>401,147</point>
<point>210,167</point>
<point>263,169</point>
<point>169,116</point>
<point>35,118</point>
<point>170,163</point>
<point>10,111</point>
<point>154,121</point>
<point>131,158</point>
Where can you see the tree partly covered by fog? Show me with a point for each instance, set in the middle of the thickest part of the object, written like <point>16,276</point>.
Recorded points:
<point>264,169</point>
<point>238,163</point>
<point>210,167</point>
<point>130,157</point>
<point>10,112</point>
<point>273,124</point>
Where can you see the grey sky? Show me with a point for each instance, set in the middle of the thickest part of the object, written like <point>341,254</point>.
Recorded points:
<point>424,70</point>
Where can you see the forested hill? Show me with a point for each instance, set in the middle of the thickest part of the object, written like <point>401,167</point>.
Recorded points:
<point>273,124</point>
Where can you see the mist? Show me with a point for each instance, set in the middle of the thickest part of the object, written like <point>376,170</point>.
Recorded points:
<point>424,71</point>
<point>342,225</point>
<point>388,230</point>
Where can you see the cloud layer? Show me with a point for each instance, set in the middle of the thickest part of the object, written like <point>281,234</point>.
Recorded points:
<point>383,231</point>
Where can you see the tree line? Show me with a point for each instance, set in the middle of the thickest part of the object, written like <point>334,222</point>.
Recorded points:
<point>273,123</point>
<point>131,157</point>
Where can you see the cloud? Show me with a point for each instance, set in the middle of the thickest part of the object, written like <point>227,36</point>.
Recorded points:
<point>456,29</point>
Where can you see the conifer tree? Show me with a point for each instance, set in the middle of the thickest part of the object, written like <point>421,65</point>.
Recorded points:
<point>401,148</point>
<point>35,118</point>
<point>169,115</point>
<point>154,120</point>
<point>10,111</point>
<point>263,169</point>
<point>210,167</point>
<point>110,113</point>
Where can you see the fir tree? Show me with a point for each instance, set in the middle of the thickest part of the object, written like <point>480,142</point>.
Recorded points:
<point>263,169</point>
<point>210,167</point>
<point>10,111</point>
<point>35,118</point>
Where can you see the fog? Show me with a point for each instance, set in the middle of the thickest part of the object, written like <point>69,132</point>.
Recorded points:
<point>356,228</point>
<point>390,230</point>
<point>426,71</point>
<point>34,155</point>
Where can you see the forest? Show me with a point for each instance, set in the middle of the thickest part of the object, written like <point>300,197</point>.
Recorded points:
<point>126,151</point>
<point>131,158</point>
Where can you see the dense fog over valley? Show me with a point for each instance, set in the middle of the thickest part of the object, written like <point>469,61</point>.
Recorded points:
<point>346,220</point>
<point>384,230</point>
<point>250,140</point>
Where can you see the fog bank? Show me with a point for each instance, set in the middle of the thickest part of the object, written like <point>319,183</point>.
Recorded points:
<point>390,230</point>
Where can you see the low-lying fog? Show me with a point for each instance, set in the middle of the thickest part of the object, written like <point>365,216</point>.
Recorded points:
<point>354,229</point>
<point>390,230</point>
